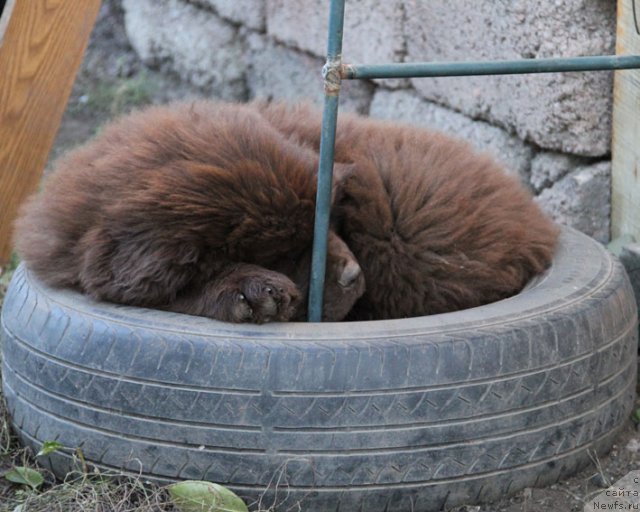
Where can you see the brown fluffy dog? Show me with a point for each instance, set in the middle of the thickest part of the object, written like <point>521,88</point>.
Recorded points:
<point>199,208</point>
<point>435,226</point>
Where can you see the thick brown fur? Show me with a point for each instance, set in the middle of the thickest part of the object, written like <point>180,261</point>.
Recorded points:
<point>435,226</point>
<point>200,208</point>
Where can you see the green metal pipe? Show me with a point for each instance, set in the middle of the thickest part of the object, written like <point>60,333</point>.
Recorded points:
<point>336,26</point>
<point>498,67</point>
<point>331,73</point>
<point>334,71</point>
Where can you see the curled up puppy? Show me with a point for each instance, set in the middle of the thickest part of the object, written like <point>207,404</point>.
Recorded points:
<point>207,209</point>
<point>435,225</point>
<point>200,208</point>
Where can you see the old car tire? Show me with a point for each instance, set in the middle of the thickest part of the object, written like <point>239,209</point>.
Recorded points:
<point>415,414</point>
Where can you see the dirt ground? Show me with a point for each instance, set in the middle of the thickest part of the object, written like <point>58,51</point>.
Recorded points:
<point>113,80</point>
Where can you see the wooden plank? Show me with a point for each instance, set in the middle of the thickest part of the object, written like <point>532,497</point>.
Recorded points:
<point>4,16</point>
<point>625,180</point>
<point>40,53</point>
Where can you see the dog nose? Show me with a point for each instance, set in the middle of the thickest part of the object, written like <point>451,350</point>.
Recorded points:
<point>350,273</point>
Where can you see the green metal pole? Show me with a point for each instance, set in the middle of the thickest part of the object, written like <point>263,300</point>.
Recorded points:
<point>334,71</point>
<point>498,67</point>
<point>331,73</point>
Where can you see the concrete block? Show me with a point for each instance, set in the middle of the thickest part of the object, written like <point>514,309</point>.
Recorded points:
<point>630,258</point>
<point>567,112</point>
<point>192,42</point>
<point>548,167</point>
<point>582,199</point>
<point>408,107</point>
<point>251,13</point>
<point>373,29</point>
<point>278,72</point>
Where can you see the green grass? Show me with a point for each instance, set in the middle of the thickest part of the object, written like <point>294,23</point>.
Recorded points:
<point>114,98</point>
<point>81,493</point>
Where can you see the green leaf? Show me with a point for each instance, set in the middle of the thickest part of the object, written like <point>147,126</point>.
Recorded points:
<point>49,447</point>
<point>25,476</point>
<point>199,496</point>
<point>636,416</point>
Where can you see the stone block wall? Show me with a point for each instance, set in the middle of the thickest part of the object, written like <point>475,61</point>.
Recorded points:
<point>551,130</point>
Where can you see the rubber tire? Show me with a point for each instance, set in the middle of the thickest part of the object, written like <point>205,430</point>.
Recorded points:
<point>418,414</point>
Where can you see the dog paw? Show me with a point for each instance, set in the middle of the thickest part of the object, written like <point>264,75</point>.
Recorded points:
<point>266,297</point>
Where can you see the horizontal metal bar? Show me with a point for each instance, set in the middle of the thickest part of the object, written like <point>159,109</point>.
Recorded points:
<point>497,67</point>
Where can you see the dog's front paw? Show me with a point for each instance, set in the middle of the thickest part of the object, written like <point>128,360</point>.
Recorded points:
<point>263,297</point>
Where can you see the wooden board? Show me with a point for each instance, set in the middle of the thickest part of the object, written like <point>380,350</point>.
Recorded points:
<point>40,52</point>
<point>625,181</point>
<point>4,16</point>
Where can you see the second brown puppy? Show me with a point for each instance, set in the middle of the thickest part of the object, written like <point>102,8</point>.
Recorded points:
<point>435,226</point>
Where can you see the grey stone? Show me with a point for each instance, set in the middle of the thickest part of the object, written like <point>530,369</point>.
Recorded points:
<point>408,107</point>
<point>278,72</point>
<point>549,167</point>
<point>619,243</point>
<point>630,258</point>
<point>582,199</point>
<point>192,42</point>
<point>568,112</point>
<point>373,29</point>
<point>251,13</point>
